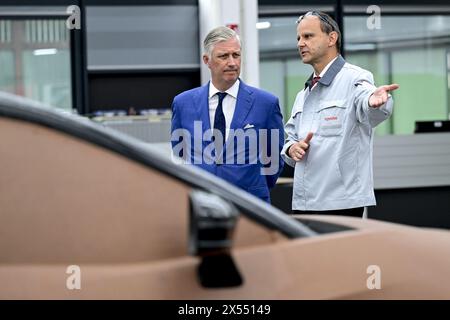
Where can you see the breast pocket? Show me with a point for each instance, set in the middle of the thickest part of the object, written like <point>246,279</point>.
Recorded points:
<point>331,115</point>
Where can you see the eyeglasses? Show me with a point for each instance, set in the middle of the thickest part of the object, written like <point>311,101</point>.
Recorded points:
<point>319,15</point>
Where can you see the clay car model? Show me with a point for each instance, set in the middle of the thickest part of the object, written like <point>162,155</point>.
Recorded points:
<point>89,213</point>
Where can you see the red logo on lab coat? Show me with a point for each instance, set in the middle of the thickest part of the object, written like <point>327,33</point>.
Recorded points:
<point>330,118</point>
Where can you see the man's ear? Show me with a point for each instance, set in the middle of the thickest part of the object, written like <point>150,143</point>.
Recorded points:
<point>205,59</point>
<point>333,37</point>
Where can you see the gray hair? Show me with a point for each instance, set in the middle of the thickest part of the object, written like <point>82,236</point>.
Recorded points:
<point>217,35</point>
<point>327,25</point>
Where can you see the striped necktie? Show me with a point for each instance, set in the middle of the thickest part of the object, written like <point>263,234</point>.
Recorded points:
<point>313,82</point>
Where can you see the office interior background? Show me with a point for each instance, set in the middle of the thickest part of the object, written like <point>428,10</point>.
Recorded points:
<point>128,59</point>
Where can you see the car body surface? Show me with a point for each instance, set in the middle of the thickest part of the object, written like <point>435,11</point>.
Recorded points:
<point>136,225</point>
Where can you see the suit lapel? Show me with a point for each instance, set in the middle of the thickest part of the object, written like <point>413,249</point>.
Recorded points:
<point>202,107</point>
<point>244,104</point>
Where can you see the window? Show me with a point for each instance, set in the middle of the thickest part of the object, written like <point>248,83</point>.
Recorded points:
<point>281,69</point>
<point>412,50</point>
<point>35,60</point>
<point>409,50</point>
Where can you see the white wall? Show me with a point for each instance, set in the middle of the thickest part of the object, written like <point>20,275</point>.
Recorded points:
<point>244,13</point>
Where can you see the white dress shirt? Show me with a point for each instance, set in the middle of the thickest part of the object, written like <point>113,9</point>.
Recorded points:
<point>228,104</point>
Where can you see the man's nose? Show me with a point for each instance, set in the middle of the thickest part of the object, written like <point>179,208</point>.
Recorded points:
<point>300,43</point>
<point>232,61</point>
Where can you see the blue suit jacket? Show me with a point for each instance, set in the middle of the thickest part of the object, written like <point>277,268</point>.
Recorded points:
<point>255,110</point>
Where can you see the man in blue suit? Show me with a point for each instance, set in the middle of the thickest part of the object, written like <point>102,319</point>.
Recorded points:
<point>226,127</point>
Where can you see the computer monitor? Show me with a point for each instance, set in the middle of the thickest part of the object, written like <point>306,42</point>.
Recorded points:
<point>432,126</point>
<point>138,90</point>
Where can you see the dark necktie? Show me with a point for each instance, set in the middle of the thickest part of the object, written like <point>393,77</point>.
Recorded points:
<point>313,82</point>
<point>219,125</point>
<point>219,117</point>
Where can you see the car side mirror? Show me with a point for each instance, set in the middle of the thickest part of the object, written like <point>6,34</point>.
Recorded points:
<point>211,227</point>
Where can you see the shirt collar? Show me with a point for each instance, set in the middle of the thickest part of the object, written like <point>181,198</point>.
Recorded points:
<point>329,72</point>
<point>232,91</point>
<point>326,67</point>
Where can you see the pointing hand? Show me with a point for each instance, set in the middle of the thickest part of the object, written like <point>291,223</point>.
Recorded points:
<point>380,95</point>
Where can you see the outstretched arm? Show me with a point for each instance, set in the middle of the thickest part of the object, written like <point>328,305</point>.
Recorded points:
<point>373,105</point>
<point>381,94</point>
